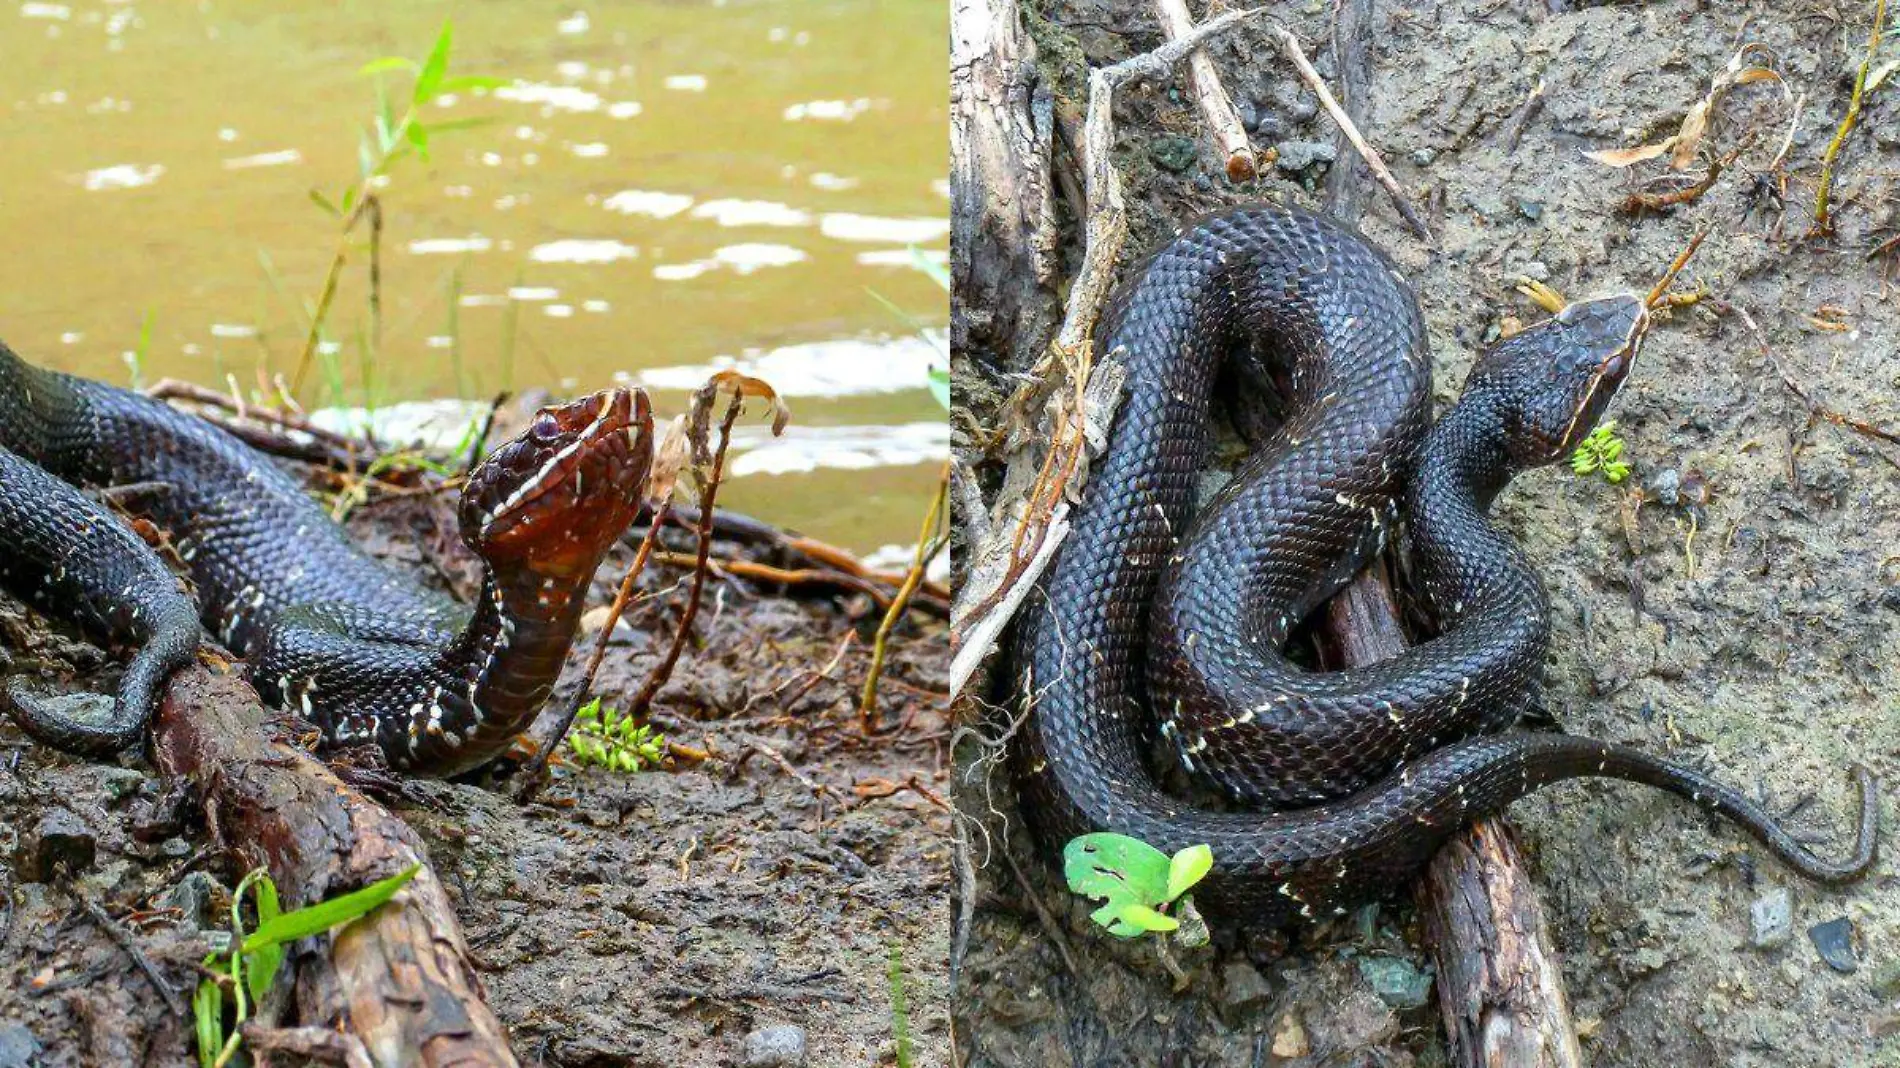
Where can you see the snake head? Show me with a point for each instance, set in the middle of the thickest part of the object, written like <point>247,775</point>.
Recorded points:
<point>556,496</point>
<point>1557,376</point>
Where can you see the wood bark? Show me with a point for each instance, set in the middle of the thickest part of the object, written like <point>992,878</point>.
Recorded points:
<point>400,980</point>
<point>1002,224</point>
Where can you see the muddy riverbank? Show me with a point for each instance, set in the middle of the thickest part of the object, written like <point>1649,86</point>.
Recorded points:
<point>657,918</point>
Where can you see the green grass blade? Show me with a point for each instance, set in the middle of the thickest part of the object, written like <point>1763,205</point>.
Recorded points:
<point>207,1011</point>
<point>429,81</point>
<point>320,917</point>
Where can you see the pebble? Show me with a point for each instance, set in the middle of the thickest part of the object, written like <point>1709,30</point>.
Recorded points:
<point>1175,154</point>
<point>1293,101</point>
<point>192,898</point>
<point>1530,209</point>
<point>18,1047</point>
<point>1242,988</point>
<point>1398,982</point>
<point>58,839</point>
<point>1772,915</point>
<point>1835,942</point>
<point>121,783</point>
<point>777,1046</point>
<point>1289,1038</point>
<point>1296,156</point>
<point>1424,156</point>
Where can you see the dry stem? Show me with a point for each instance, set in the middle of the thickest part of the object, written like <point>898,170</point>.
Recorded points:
<point>1217,108</point>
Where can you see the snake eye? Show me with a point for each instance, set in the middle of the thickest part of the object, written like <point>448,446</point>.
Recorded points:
<point>546,427</point>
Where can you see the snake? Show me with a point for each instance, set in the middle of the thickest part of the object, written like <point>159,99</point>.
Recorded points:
<point>363,651</point>
<point>1157,628</point>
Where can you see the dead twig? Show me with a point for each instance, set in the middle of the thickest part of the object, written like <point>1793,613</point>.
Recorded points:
<point>930,542</point>
<point>1217,108</point>
<point>1374,162</point>
<point>1816,410</point>
<point>1823,220</point>
<point>1659,293</point>
<point>315,1043</point>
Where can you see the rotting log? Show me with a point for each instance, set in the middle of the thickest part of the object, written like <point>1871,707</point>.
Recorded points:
<point>400,980</point>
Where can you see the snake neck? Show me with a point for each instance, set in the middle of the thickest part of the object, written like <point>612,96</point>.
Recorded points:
<point>1467,564</point>
<point>513,647</point>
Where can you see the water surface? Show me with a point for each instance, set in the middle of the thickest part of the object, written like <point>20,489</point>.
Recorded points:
<point>666,188</point>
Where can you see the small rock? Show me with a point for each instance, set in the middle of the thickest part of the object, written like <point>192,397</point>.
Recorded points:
<point>1647,960</point>
<point>1242,987</point>
<point>192,898</point>
<point>1294,102</point>
<point>121,783</point>
<point>1398,982</point>
<point>1173,153</point>
<point>777,1046</point>
<point>18,1047</point>
<point>1530,209</point>
<point>1289,1038</point>
<point>1535,270</point>
<point>1835,941</point>
<point>1424,156</point>
<point>1666,487</point>
<point>1297,156</point>
<point>59,839</point>
<point>1772,915</point>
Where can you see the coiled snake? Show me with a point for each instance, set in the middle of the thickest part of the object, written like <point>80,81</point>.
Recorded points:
<point>1141,611</point>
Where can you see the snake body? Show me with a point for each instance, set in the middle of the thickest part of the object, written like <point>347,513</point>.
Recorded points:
<point>362,651</point>
<point>1146,619</point>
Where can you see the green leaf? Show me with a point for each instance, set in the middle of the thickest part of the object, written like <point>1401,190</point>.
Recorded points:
<point>320,917</point>
<point>1188,867</point>
<point>470,123</point>
<point>387,63</point>
<point>419,137</point>
<point>940,385</point>
<point>1147,919</point>
<point>260,971</point>
<point>1116,868</point>
<point>207,1012</point>
<point>365,159</point>
<point>937,272</point>
<point>429,80</point>
<point>323,202</point>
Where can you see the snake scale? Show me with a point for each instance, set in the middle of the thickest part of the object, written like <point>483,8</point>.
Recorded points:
<point>1147,621</point>
<point>364,652</point>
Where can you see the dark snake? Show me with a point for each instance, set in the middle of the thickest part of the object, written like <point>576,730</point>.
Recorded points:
<point>1148,622</point>
<point>364,652</point>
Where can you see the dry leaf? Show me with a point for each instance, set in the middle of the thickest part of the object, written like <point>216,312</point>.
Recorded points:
<point>1624,157</point>
<point>700,429</point>
<point>668,460</point>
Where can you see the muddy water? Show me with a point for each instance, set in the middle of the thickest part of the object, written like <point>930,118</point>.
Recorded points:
<point>666,188</point>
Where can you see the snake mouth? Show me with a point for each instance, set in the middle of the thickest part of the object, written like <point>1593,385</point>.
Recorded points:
<point>564,488</point>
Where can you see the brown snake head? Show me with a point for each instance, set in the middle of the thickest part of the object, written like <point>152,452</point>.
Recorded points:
<point>1555,379</point>
<point>557,495</point>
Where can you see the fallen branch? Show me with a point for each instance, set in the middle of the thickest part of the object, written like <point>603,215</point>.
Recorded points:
<point>1217,108</point>
<point>400,980</point>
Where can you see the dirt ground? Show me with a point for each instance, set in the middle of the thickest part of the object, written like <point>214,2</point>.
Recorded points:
<point>648,919</point>
<point>1755,634</point>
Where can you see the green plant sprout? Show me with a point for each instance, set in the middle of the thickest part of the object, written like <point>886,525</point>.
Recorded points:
<point>390,137</point>
<point>1138,883</point>
<point>244,977</point>
<point>1600,452</point>
<point>612,740</point>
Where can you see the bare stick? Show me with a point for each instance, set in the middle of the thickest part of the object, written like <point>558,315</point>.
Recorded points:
<point>1823,221</point>
<point>708,491</point>
<point>1217,109</point>
<point>929,545</point>
<point>400,979</point>
<point>1380,173</point>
